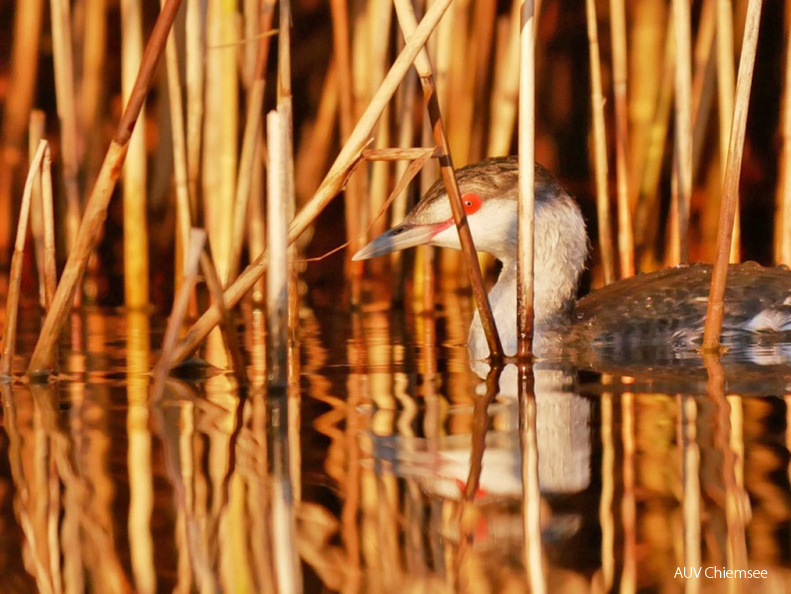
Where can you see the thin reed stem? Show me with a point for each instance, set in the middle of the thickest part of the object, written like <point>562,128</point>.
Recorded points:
<point>134,175</point>
<point>250,139</point>
<point>725,87</point>
<point>782,243</point>
<point>195,33</point>
<point>620,81</point>
<point>15,276</point>
<point>681,28</point>
<point>730,197</point>
<point>197,240</point>
<point>526,208</point>
<point>600,148</point>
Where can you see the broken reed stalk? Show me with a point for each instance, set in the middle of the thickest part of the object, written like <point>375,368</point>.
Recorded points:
<point>63,61</point>
<point>408,23</point>
<point>48,215</point>
<point>683,136</point>
<point>334,181</point>
<point>195,36</point>
<point>277,241</point>
<point>250,138</point>
<point>600,148</point>
<point>15,275</point>
<point>134,170</point>
<point>399,154</point>
<point>193,251</point>
<point>96,207</point>
<point>620,81</point>
<point>725,87</point>
<point>16,110</point>
<point>526,208</point>
<point>184,214</point>
<point>730,196</point>
<point>37,133</point>
<point>782,248</point>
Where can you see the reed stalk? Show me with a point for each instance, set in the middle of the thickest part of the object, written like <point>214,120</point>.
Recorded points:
<point>277,241</point>
<point>197,240</point>
<point>15,275</point>
<point>284,99</point>
<point>96,207</point>
<point>406,118</point>
<point>730,196</point>
<point>37,132</point>
<point>683,107</point>
<point>408,23</point>
<point>647,208</point>
<point>334,181</point>
<point>48,216</point>
<point>250,138</point>
<point>600,148</point>
<point>195,35</point>
<point>220,158</point>
<point>782,243</point>
<point>703,79</point>
<point>502,113</point>
<point>63,59</point>
<point>134,173</point>
<point>526,208</point>
<point>93,64</point>
<point>725,82</point>
<point>311,159</point>
<point>620,82</point>
<point>16,109</point>
<point>481,43</point>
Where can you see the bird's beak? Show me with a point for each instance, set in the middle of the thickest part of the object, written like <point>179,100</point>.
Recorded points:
<point>405,235</point>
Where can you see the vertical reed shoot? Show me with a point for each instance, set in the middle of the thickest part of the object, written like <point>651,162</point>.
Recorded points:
<point>681,29</point>
<point>526,209</point>
<point>730,197</point>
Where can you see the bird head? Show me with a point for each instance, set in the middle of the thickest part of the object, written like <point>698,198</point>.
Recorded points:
<point>489,192</point>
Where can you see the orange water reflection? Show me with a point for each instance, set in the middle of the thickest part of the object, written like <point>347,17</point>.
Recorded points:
<point>391,466</point>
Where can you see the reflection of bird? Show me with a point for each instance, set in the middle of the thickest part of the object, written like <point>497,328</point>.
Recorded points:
<point>665,307</point>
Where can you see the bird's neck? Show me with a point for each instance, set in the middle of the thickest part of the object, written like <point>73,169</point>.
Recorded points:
<point>550,308</point>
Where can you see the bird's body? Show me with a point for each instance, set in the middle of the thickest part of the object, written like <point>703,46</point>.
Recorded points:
<point>667,306</point>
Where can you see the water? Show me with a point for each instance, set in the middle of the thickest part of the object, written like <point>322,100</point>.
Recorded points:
<point>643,472</point>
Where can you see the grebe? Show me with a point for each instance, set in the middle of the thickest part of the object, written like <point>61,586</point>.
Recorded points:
<point>664,307</point>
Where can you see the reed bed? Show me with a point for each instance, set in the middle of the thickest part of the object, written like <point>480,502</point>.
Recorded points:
<point>245,183</point>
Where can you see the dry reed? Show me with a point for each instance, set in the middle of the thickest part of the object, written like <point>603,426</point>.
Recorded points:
<point>782,243</point>
<point>134,172</point>
<point>683,132</point>
<point>63,59</point>
<point>96,207</point>
<point>730,197</point>
<point>277,240</point>
<point>15,275</point>
<point>620,81</point>
<point>725,81</point>
<point>600,149</point>
<point>526,209</point>
<point>36,135</point>
<point>197,239</point>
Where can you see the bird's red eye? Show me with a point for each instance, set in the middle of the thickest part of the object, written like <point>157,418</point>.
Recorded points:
<point>472,202</point>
